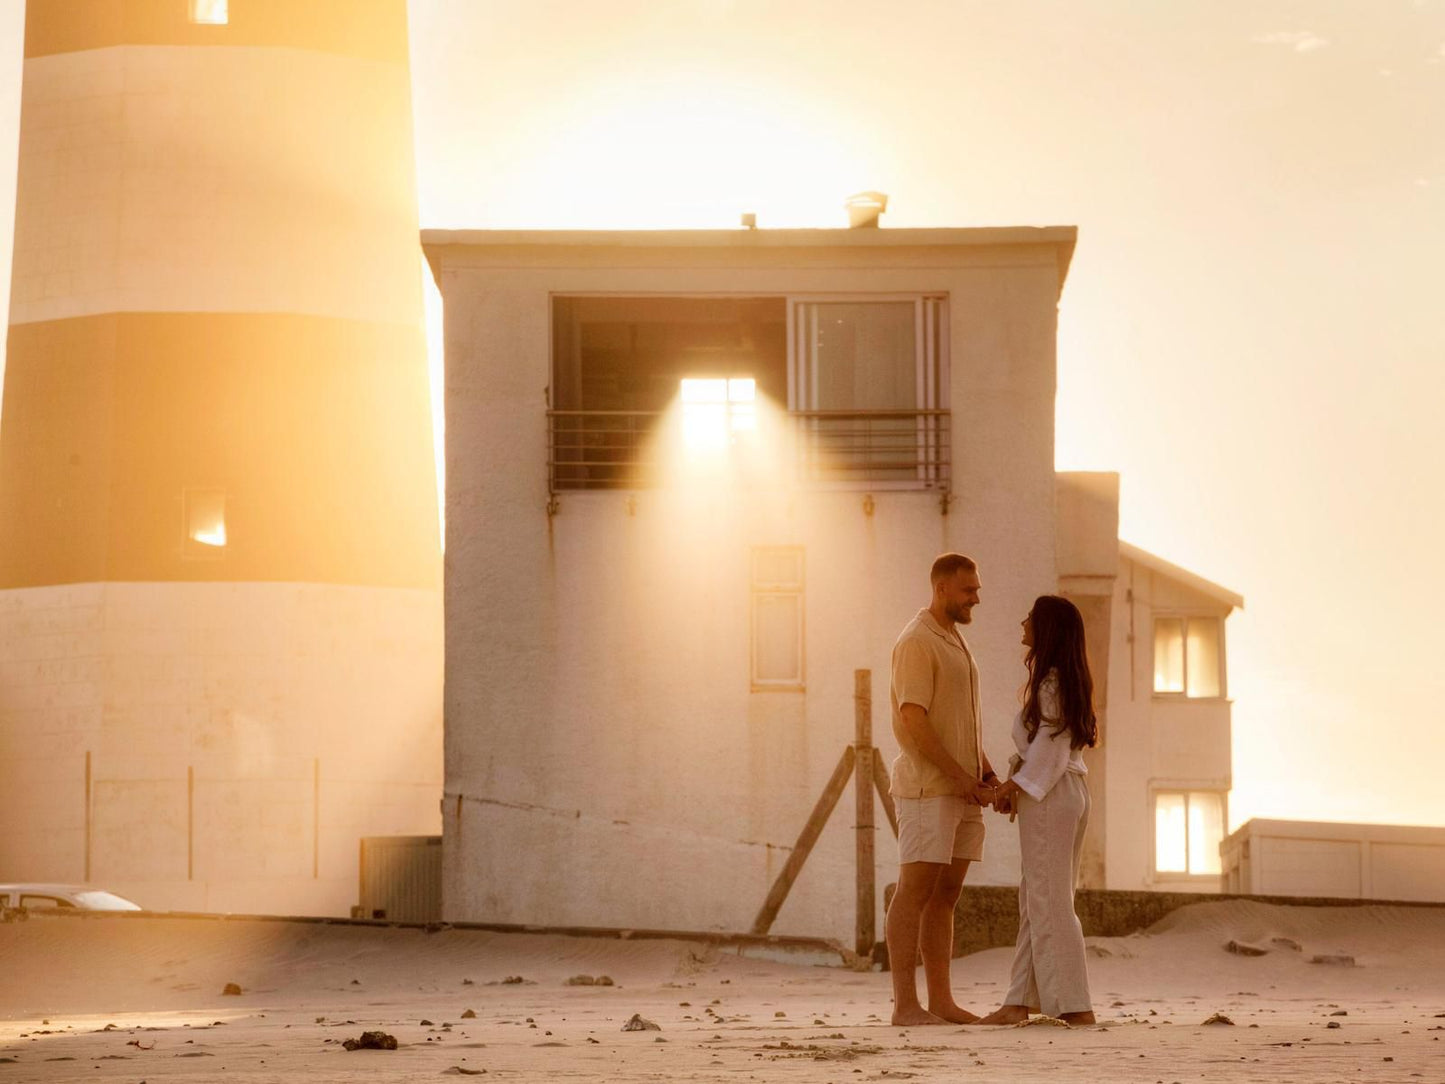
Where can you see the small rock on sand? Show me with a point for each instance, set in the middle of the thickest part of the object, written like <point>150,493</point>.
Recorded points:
<point>1244,948</point>
<point>637,1023</point>
<point>1218,1018</point>
<point>457,1070</point>
<point>1337,959</point>
<point>1286,943</point>
<point>371,1040</point>
<point>231,990</point>
<point>589,980</point>
<point>469,1015</point>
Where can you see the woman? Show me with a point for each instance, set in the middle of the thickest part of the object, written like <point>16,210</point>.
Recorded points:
<point>1046,789</point>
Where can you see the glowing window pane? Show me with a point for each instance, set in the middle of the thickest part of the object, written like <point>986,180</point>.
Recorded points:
<point>1169,655</point>
<point>1206,831</point>
<point>210,12</point>
<point>1202,656</point>
<point>205,522</point>
<point>1171,840</point>
<point>714,407</point>
<point>742,411</point>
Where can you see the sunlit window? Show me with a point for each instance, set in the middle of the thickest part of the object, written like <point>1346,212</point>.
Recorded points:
<point>1187,657</point>
<point>777,617</point>
<point>1188,828</point>
<point>205,521</point>
<point>210,12</point>
<point>714,409</point>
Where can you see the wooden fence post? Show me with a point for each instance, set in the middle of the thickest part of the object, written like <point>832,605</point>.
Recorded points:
<point>864,755</point>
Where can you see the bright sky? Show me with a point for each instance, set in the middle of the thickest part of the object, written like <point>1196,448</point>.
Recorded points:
<point>1252,331</point>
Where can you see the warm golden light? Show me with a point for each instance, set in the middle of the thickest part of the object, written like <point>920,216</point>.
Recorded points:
<point>712,408</point>
<point>205,521</point>
<point>210,12</point>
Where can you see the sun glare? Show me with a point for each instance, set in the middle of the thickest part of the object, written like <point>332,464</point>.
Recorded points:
<point>714,408</point>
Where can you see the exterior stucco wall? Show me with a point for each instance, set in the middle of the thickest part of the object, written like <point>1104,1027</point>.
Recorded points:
<point>606,761</point>
<point>242,738</point>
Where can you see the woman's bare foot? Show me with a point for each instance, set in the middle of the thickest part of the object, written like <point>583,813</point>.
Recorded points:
<point>1006,1014</point>
<point>916,1016</point>
<point>953,1013</point>
<point>1077,1019</point>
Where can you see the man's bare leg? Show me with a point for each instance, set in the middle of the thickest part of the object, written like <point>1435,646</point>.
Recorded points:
<point>936,943</point>
<point>916,882</point>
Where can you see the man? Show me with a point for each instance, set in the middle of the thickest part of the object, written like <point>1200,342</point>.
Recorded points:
<point>940,783</point>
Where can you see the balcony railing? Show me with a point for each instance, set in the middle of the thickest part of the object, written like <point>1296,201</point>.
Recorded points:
<point>896,449</point>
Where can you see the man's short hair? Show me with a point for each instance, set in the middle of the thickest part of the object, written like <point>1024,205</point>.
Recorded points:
<point>950,564</point>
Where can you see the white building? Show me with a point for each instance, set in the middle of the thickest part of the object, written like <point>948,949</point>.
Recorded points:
<point>695,480</point>
<point>1347,861</point>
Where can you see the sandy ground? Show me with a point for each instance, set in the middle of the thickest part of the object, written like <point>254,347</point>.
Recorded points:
<point>141,1000</point>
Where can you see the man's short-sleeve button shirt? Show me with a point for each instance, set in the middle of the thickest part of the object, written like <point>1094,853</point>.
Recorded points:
<point>933,668</point>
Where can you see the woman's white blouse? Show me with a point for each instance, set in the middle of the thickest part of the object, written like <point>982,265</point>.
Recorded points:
<point>1049,755</point>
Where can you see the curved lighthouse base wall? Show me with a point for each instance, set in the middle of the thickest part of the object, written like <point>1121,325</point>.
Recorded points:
<point>242,737</point>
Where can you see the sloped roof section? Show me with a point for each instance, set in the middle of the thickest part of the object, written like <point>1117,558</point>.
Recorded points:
<point>1181,575</point>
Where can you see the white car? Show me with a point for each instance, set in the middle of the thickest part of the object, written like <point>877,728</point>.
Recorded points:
<point>72,897</point>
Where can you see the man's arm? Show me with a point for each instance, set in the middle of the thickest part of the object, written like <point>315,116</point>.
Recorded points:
<point>925,740</point>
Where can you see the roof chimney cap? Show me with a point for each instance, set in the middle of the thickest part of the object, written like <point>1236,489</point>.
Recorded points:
<point>864,209</point>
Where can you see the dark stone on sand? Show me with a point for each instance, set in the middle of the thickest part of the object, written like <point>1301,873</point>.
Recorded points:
<point>581,980</point>
<point>231,990</point>
<point>1333,1024</point>
<point>1286,943</point>
<point>1334,960</point>
<point>1218,1018</point>
<point>426,1024</point>
<point>371,1040</point>
<point>1244,948</point>
<point>457,1070</point>
<point>1343,1012</point>
<point>468,1014</point>
<point>637,1023</point>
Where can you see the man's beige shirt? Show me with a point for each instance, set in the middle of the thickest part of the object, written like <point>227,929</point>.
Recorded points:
<point>933,668</point>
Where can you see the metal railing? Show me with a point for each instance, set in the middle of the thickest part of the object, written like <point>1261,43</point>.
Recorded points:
<point>616,449</point>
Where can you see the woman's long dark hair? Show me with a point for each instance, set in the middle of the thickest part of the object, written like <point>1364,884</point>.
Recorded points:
<point>1058,648</point>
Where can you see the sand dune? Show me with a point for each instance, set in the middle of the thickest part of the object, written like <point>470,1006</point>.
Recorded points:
<point>141,999</point>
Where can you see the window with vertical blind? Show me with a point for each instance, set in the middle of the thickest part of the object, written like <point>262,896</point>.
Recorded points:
<point>777,618</point>
<point>869,385</point>
<point>1188,660</point>
<point>1188,828</point>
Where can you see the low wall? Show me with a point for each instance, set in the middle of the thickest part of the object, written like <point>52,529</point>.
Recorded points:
<point>988,915</point>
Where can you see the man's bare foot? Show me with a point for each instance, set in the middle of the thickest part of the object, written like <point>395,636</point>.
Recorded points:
<point>1006,1014</point>
<point>917,1016</point>
<point>1077,1019</point>
<point>953,1013</point>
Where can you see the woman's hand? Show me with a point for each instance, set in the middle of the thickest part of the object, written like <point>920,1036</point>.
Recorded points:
<point>1003,798</point>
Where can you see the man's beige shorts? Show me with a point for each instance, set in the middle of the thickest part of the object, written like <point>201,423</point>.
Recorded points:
<point>939,830</point>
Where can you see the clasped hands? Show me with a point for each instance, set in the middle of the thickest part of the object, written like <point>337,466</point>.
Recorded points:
<point>1000,796</point>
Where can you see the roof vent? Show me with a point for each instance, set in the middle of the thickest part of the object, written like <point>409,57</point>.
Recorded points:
<point>864,209</point>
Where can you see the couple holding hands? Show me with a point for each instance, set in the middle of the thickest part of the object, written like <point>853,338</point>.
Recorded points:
<point>942,779</point>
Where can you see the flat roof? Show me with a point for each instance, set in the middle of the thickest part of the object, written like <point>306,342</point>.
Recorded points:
<point>1181,575</point>
<point>1063,238</point>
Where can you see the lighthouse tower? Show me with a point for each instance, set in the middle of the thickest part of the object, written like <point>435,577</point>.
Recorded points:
<point>220,609</point>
